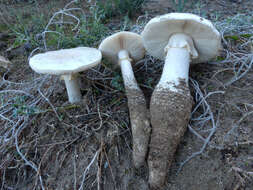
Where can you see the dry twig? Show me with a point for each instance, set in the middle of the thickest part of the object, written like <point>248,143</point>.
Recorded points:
<point>206,116</point>
<point>88,168</point>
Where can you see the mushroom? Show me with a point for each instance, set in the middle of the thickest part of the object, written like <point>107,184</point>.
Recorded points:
<point>67,63</point>
<point>179,38</point>
<point>121,48</point>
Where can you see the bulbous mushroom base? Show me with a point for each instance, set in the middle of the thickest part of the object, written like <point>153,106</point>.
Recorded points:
<point>140,125</point>
<point>170,112</point>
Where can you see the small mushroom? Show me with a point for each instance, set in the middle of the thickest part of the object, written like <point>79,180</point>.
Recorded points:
<point>179,38</point>
<point>67,63</point>
<point>121,48</point>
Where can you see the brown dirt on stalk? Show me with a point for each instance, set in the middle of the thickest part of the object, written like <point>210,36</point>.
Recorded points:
<point>140,125</point>
<point>170,114</point>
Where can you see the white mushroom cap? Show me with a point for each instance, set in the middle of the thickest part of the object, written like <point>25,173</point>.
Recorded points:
<point>158,31</point>
<point>65,61</point>
<point>129,41</point>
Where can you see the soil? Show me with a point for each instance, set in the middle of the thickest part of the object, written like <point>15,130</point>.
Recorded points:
<point>89,145</point>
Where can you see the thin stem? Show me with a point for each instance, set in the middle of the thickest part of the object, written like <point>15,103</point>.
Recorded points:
<point>127,70</point>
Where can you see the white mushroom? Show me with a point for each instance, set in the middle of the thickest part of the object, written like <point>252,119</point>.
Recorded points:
<point>179,38</point>
<point>67,63</point>
<point>121,48</point>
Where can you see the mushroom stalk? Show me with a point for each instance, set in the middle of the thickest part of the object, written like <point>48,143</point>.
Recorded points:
<point>137,109</point>
<point>127,70</point>
<point>170,108</point>
<point>179,51</point>
<point>171,37</point>
<point>176,67</point>
<point>73,88</point>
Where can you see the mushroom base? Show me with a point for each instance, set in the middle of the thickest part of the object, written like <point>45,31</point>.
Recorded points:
<point>140,124</point>
<point>170,113</point>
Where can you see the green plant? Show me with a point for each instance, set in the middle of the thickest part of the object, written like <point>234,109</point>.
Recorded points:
<point>117,82</point>
<point>20,107</point>
<point>128,6</point>
<point>126,24</point>
<point>179,5</point>
<point>20,1</point>
<point>198,9</point>
<point>89,32</point>
<point>30,29</point>
<point>148,82</point>
<point>25,30</point>
<point>93,29</point>
<point>111,8</point>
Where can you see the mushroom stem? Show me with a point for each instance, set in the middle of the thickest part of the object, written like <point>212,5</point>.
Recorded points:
<point>176,67</point>
<point>179,52</point>
<point>170,108</point>
<point>137,110</point>
<point>73,88</point>
<point>127,70</point>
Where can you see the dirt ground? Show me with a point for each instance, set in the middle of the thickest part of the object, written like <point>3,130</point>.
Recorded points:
<point>47,143</point>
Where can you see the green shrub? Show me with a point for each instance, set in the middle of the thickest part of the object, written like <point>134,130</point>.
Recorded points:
<point>90,31</point>
<point>117,81</point>
<point>179,5</point>
<point>112,8</point>
<point>30,30</point>
<point>21,108</point>
<point>25,31</point>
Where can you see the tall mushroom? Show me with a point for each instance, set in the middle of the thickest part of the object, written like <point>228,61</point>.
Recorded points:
<point>67,63</point>
<point>179,38</point>
<point>121,48</point>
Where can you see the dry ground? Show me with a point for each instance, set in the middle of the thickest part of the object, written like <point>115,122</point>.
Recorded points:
<point>46,143</point>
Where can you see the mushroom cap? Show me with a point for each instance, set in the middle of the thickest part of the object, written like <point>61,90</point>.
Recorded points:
<point>65,61</point>
<point>158,31</point>
<point>128,41</point>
